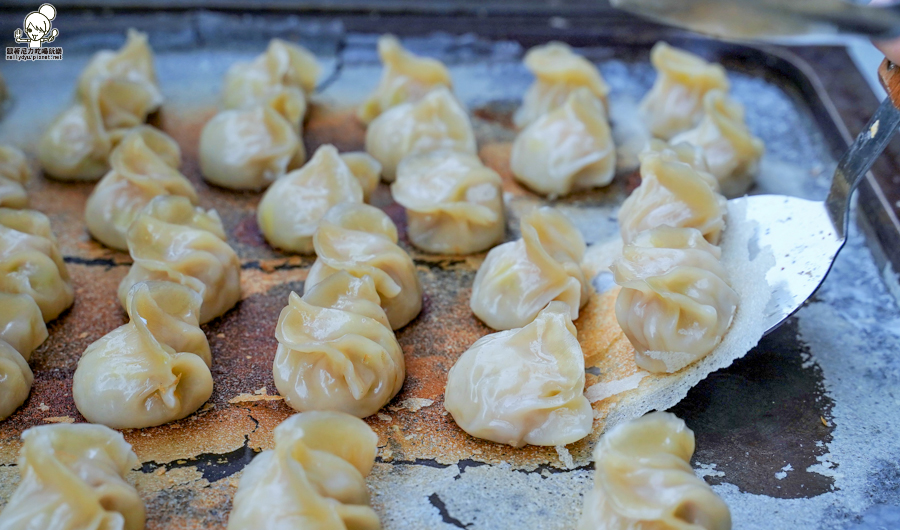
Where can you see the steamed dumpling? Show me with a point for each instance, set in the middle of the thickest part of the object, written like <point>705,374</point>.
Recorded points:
<point>172,240</point>
<point>14,174</point>
<point>22,329</point>
<point>454,203</point>
<point>248,148</point>
<point>362,240</point>
<point>681,152</point>
<point>519,278</point>
<point>283,65</point>
<point>116,91</point>
<point>437,121</point>
<point>644,479</point>
<point>730,150</point>
<point>314,478</point>
<point>31,263</point>
<point>523,386</point>
<point>21,323</point>
<point>559,72</point>
<point>366,169</point>
<point>152,370</point>
<point>144,166</point>
<point>672,193</point>
<point>568,149</point>
<point>674,104</point>
<point>675,304</point>
<point>336,350</point>
<point>405,78</point>
<point>73,478</point>
<point>291,208</point>
<point>15,379</point>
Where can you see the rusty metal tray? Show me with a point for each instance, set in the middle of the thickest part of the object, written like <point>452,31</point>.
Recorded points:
<point>800,433</point>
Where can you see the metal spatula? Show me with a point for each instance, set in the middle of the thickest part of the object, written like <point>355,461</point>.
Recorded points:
<point>805,236</point>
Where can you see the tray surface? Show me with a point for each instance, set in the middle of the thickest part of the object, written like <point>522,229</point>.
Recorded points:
<point>800,428</point>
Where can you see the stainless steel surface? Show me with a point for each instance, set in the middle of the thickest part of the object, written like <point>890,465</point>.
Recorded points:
<point>806,236</point>
<point>770,18</point>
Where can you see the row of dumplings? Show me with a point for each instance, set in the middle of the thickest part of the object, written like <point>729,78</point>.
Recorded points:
<point>530,289</point>
<point>73,476</point>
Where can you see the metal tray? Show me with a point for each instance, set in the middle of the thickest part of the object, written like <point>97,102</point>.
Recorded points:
<point>798,434</point>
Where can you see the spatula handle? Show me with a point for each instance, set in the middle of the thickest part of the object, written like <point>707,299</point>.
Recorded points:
<point>890,80</point>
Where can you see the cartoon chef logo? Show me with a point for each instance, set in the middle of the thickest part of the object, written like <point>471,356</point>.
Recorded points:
<point>38,27</point>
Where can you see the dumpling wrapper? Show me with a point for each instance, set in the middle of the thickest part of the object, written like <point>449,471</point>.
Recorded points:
<point>314,478</point>
<point>519,278</point>
<point>172,240</point>
<point>681,152</point>
<point>73,478</point>
<point>730,150</point>
<point>336,350</point>
<point>21,323</point>
<point>22,329</point>
<point>672,193</point>
<point>31,263</point>
<point>14,174</point>
<point>152,370</point>
<point>437,121</point>
<point>362,240</point>
<point>454,203</point>
<point>366,169</point>
<point>523,386</point>
<point>116,91</point>
<point>249,148</point>
<point>644,479</point>
<point>283,64</point>
<point>144,166</point>
<point>559,72</point>
<point>406,78</point>
<point>674,103</point>
<point>292,207</point>
<point>567,149</point>
<point>676,303</point>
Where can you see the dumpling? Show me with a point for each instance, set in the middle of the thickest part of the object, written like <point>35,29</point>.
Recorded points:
<point>681,152</point>
<point>144,166</point>
<point>248,148</point>
<point>116,91</point>
<point>568,149</point>
<point>172,240</point>
<point>21,323</point>
<point>362,240</point>
<point>672,193</point>
<point>15,379</point>
<point>31,263</point>
<point>454,203</point>
<point>519,278</point>
<point>437,121</point>
<point>731,152</point>
<point>644,479</point>
<point>73,478</point>
<point>132,62</point>
<point>152,370</point>
<point>336,349</point>
<point>675,304</point>
<point>559,72</point>
<point>291,208</point>
<point>406,78</point>
<point>366,169</point>
<point>314,478</point>
<point>22,329</point>
<point>283,65</point>
<point>14,173</point>
<point>523,386</point>
<point>674,104</point>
